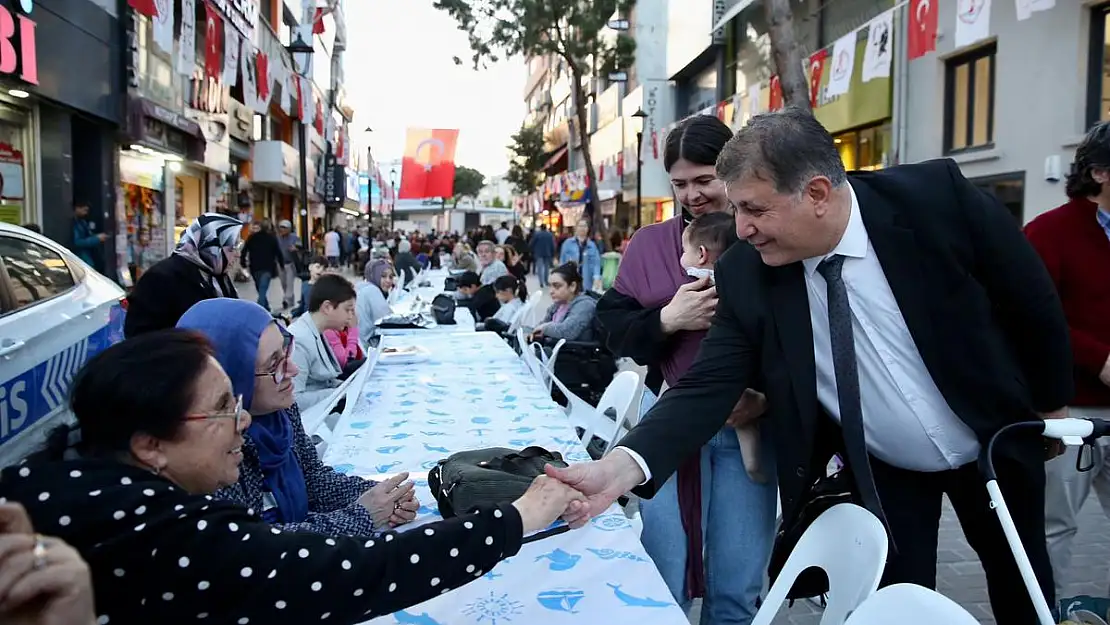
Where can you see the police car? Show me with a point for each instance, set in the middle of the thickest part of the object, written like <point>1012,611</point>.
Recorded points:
<point>55,313</point>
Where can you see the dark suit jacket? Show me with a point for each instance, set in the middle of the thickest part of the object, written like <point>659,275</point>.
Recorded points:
<point>975,296</point>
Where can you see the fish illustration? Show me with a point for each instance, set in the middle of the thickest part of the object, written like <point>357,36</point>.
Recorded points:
<point>400,412</point>
<point>389,450</point>
<point>429,465</point>
<point>433,433</point>
<point>439,414</point>
<point>433,385</point>
<point>385,468</point>
<point>563,441</point>
<point>397,424</point>
<point>344,468</point>
<point>440,421</point>
<point>361,425</point>
<point>475,391</point>
<point>522,442</point>
<point>374,394</point>
<point>408,402</point>
<point>492,576</point>
<point>407,618</point>
<point>442,450</point>
<point>554,427</point>
<point>540,406</point>
<point>399,436</point>
<point>560,600</point>
<point>427,509</point>
<point>480,419</point>
<point>519,418</point>
<point>560,560</point>
<point>637,602</point>
<point>509,398</point>
<point>479,431</point>
<point>509,407</point>
<point>522,430</point>
<point>433,400</point>
<point>611,554</point>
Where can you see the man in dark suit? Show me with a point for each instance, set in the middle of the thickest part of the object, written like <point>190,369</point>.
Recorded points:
<point>899,317</point>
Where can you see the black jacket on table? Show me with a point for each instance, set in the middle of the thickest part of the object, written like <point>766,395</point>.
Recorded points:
<point>166,291</point>
<point>975,296</point>
<point>160,555</point>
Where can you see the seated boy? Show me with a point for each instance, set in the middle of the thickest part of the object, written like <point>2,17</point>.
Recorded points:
<point>481,300</point>
<point>331,306</point>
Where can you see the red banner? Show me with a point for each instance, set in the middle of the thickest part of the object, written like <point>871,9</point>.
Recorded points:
<point>816,70</point>
<point>775,99</point>
<point>213,42</point>
<point>428,169</point>
<point>262,76</point>
<point>922,36</point>
<point>144,7</point>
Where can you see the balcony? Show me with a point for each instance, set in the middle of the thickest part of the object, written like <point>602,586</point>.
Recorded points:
<point>276,165</point>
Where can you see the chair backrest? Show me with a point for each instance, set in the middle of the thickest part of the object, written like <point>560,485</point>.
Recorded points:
<point>909,604</point>
<point>398,288</point>
<point>527,311</point>
<point>620,395</point>
<point>850,545</point>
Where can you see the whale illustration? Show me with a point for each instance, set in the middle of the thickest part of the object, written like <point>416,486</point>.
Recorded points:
<point>440,421</point>
<point>408,402</point>
<point>560,560</point>
<point>523,430</point>
<point>509,398</point>
<point>397,424</point>
<point>433,433</point>
<point>344,468</point>
<point>612,554</point>
<point>384,468</point>
<point>480,419</point>
<point>438,413</point>
<point>442,450</point>
<point>407,618</point>
<point>509,407</point>
<point>399,436</point>
<point>479,431</point>
<point>522,442</point>
<point>637,602</point>
<point>560,600</point>
<point>361,425</point>
<point>389,450</point>
<point>429,465</point>
<point>475,391</point>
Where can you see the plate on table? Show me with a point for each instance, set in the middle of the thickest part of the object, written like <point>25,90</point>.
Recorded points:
<point>404,355</point>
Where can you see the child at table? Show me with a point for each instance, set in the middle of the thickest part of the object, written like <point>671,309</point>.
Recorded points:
<point>316,268</point>
<point>512,293</point>
<point>344,344</point>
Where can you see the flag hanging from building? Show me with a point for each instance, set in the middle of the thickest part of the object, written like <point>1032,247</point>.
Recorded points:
<point>231,57</point>
<point>973,22</point>
<point>841,65</point>
<point>774,98</point>
<point>262,76</point>
<point>878,53</point>
<point>428,169</point>
<point>144,7</point>
<point>922,36</point>
<point>249,72</point>
<point>186,50</point>
<point>1026,8</point>
<point>213,41</point>
<point>817,63</point>
<point>755,92</point>
<point>161,25</point>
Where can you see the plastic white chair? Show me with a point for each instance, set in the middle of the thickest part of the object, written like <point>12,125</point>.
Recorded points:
<point>850,544</point>
<point>398,287</point>
<point>618,396</point>
<point>909,604</point>
<point>527,311</point>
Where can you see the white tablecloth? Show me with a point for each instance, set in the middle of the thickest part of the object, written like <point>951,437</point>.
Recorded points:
<point>474,392</point>
<point>464,320</point>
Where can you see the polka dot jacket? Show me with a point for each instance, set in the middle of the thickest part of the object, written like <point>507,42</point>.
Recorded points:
<point>160,555</point>
<point>333,506</point>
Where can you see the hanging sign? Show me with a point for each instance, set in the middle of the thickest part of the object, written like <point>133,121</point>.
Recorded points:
<point>18,54</point>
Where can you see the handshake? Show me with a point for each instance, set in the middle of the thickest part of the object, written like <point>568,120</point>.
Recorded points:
<point>577,493</point>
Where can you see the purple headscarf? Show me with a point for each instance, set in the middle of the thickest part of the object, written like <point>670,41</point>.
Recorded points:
<point>375,269</point>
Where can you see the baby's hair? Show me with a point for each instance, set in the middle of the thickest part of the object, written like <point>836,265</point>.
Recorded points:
<point>714,231</point>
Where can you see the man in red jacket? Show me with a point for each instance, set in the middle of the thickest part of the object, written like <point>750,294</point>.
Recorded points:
<point>1074,242</point>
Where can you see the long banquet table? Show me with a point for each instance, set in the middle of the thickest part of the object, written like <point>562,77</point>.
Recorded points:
<point>469,392</point>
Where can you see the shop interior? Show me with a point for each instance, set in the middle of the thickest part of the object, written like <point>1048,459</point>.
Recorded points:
<point>864,149</point>
<point>142,206</point>
<point>16,205</point>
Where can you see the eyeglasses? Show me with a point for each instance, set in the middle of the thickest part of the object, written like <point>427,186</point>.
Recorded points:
<point>237,415</point>
<point>280,370</point>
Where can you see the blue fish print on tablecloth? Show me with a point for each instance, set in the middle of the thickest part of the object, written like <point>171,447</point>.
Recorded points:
<point>490,575</point>
<point>522,442</point>
<point>429,465</point>
<point>408,402</point>
<point>434,385</point>
<point>509,398</point>
<point>519,418</point>
<point>577,456</point>
<point>420,483</point>
<point>496,609</point>
<point>633,601</point>
<point>554,427</point>
<point>399,436</point>
<point>559,560</point>
<point>508,407</point>
<point>433,433</point>
<point>344,468</point>
<point>439,414</point>
<point>397,424</point>
<point>440,393</point>
<point>436,448</point>
<point>479,432</point>
<point>565,442</point>
<point>408,618</point>
<point>541,407</point>
<point>385,468</point>
<point>522,430</point>
<point>361,425</point>
<point>427,509</point>
<point>389,450</point>
<point>481,420</point>
<point>612,554</point>
<point>611,522</point>
<point>475,391</point>
<point>433,400</point>
<point>561,600</point>
<point>440,421</point>
<point>400,413</point>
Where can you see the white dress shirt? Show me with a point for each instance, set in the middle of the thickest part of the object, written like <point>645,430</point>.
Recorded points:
<point>907,422</point>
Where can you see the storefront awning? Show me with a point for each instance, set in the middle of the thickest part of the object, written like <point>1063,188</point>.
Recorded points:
<point>732,12</point>
<point>555,157</point>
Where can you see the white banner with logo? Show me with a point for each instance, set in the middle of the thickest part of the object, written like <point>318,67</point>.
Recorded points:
<point>1026,8</point>
<point>162,25</point>
<point>878,53</point>
<point>973,22</point>
<point>187,48</point>
<point>231,57</point>
<point>841,65</point>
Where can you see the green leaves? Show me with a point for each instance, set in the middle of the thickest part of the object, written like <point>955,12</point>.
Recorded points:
<point>468,182</point>
<point>528,159</point>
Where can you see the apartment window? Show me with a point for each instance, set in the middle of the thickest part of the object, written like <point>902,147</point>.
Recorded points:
<point>1098,84</point>
<point>969,101</point>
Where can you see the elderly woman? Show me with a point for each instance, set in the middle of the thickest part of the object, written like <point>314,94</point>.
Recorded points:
<point>127,488</point>
<point>281,476</point>
<point>372,302</point>
<point>571,315</point>
<point>405,261</point>
<point>197,270</point>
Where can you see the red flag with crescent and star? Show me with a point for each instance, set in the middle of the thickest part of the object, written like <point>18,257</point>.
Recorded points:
<point>816,70</point>
<point>144,7</point>
<point>922,36</point>
<point>428,169</point>
<point>262,73</point>
<point>213,41</point>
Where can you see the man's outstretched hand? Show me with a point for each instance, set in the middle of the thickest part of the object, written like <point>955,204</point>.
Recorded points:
<point>601,481</point>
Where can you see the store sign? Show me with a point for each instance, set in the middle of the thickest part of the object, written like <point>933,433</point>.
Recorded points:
<point>243,15</point>
<point>240,120</point>
<point>18,54</point>
<point>207,94</point>
<point>335,181</point>
<point>719,8</point>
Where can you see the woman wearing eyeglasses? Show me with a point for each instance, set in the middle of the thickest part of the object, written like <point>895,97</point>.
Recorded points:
<point>281,475</point>
<point>159,429</point>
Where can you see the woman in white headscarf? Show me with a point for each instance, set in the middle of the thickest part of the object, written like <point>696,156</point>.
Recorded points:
<point>197,270</point>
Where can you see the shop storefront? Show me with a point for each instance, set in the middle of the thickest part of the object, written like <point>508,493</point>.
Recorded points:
<point>141,210</point>
<point>859,120</point>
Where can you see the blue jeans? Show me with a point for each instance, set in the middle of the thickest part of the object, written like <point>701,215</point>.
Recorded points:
<point>543,267</point>
<point>262,284</point>
<point>738,525</point>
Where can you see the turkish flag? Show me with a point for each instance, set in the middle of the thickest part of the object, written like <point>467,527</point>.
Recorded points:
<point>922,36</point>
<point>144,7</point>
<point>319,119</point>
<point>428,169</point>
<point>213,42</point>
<point>262,72</point>
<point>816,70</point>
<point>318,21</point>
<point>775,101</point>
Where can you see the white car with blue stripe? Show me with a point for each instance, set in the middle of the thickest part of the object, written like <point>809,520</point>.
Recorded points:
<point>55,313</point>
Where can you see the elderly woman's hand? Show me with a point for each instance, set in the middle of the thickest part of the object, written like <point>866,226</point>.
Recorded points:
<point>390,497</point>
<point>43,581</point>
<point>545,501</point>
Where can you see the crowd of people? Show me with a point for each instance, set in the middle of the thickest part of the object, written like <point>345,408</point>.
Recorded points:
<point>806,330</point>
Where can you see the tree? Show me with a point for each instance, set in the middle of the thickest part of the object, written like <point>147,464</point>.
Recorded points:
<point>573,31</point>
<point>468,183</point>
<point>527,162</point>
<point>786,54</point>
<point>497,202</point>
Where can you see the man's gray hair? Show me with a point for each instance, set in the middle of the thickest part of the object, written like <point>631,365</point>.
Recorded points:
<point>489,244</point>
<point>786,148</point>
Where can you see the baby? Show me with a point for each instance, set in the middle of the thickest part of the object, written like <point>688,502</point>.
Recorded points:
<point>703,242</point>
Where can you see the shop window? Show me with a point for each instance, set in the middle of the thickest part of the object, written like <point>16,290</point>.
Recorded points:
<point>37,273</point>
<point>1009,189</point>
<point>864,149</point>
<point>1098,67</point>
<point>969,101</point>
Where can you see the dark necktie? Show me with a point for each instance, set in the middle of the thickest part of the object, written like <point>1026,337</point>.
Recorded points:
<point>846,371</point>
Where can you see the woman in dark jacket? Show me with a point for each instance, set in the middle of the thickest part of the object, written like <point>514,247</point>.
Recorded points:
<point>127,488</point>
<point>197,270</point>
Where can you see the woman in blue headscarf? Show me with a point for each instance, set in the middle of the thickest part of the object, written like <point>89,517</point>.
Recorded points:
<point>281,474</point>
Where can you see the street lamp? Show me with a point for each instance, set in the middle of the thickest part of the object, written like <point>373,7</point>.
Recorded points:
<point>301,47</point>
<point>369,175</point>
<point>639,116</point>
<point>393,198</point>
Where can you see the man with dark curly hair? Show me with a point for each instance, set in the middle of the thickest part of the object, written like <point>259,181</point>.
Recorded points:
<point>1074,242</point>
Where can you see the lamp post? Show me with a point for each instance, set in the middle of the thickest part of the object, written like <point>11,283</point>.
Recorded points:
<point>369,178</point>
<point>301,47</point>
<point>393,198</point>
<point>639,116</point>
